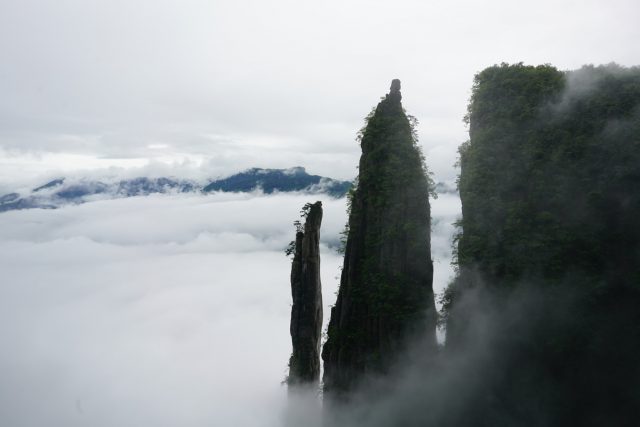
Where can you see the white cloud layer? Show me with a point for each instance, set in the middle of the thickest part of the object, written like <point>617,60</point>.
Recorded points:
<point>167,310</point>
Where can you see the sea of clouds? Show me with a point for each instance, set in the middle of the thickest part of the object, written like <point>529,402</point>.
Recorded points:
<point>165,310</point>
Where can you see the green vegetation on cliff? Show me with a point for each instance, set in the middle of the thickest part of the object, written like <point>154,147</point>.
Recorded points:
<point>550,172</point>
<point>549,245</point>
<point>306,293</point>
<point>385,295</point>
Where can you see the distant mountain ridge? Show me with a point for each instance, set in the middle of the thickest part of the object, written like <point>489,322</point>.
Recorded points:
<point>273,180</point>
<point>63,191</point>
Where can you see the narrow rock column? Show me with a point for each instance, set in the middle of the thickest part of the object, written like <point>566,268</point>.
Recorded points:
<point>306,312</point>
<point>385,301</point>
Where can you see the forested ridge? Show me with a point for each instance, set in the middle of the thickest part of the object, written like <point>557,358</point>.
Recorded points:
<point>549,245</point>
<point>542,317</point>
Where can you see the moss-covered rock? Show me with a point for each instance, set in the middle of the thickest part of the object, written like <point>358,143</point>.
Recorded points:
<point>385,297</point>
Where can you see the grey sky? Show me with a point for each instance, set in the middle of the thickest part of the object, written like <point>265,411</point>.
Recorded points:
<point>138,311</point>
<point>226,85</point>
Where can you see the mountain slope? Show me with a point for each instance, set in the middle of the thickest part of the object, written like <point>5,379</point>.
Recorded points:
<point>272,180</point>
<point>61,191</point>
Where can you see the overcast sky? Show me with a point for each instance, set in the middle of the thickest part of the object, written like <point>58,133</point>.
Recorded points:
<point>225,85</point>
<point>173,310</point>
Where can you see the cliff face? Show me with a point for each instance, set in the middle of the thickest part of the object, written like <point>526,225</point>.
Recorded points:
<point>385,297</point>
<point>551,241</point>
<point>306,311</point>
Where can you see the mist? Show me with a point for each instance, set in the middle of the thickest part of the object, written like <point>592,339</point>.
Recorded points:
<point>540,332</point>
<point>173,310</point>
<point>160,310</point>
<point>167,310</point>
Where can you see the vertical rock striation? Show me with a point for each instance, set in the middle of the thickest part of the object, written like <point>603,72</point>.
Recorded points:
<point>306,312</point>
<point>385,297</point>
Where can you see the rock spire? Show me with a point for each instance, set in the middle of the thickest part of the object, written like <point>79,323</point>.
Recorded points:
<point>306,290</point>
<point>385,299</point>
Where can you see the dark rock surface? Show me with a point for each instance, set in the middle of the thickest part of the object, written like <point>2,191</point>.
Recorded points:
<point>306,311</point>
<point>548,284</point>
<point>385,299</point>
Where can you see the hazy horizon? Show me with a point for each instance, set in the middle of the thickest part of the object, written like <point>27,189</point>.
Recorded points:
<point>224,86</point>
<point>173,309</point>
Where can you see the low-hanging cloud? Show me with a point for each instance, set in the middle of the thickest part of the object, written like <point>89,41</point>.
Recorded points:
<point>161,310</point>
<point>150,311</point>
